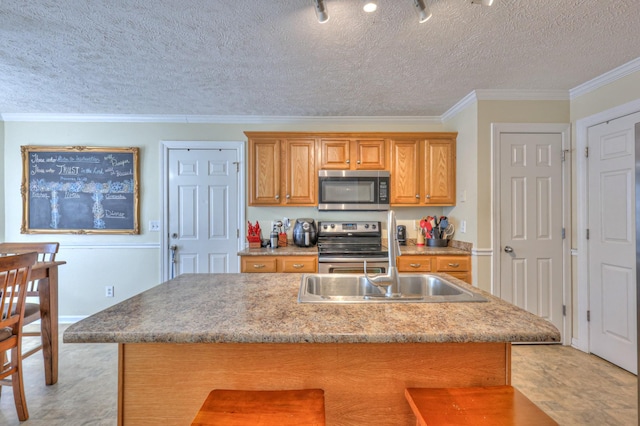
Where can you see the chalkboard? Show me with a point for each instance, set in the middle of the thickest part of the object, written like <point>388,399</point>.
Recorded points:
<point>79,190</point>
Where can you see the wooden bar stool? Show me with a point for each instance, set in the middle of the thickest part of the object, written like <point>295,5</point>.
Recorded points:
<point>494,405</point>
<point>303,407</point>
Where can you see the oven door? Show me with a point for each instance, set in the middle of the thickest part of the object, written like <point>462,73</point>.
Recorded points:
<point>353,266</point>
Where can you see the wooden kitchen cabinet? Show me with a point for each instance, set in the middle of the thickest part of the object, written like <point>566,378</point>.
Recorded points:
<point>306,264</point>
<point>412,263</point>
<point>352,154</point>
<point>458,266</point>
<point>423,171</point>
<point>282,172</point>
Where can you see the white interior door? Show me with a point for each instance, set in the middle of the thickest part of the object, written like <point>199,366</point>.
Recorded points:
<point>531,223</point>
<point>203,210</point>
<point>612,247</point>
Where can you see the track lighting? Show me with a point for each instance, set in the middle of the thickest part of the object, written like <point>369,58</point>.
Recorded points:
<point>423,11</point>
<point>321,11</point>
<point>370,6</point>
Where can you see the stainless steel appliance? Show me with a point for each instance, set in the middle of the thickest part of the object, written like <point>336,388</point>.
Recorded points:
<point>344,246</point>
<point>305,233</point>
<point>353,190</point>
<point>402,235</point>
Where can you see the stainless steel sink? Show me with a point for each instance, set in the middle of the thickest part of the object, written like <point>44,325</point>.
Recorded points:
<point>351,288</point>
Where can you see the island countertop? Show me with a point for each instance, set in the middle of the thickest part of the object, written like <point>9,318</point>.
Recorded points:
<point>263,308</point>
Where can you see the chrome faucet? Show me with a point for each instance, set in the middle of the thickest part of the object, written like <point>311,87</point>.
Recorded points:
<point>391,279</point>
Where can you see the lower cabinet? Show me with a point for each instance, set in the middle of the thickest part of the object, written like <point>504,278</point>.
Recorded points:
<point>458,266</point>
<point>279,264</point>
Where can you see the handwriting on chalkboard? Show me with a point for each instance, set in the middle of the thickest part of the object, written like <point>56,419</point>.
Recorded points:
<point>80,190</point>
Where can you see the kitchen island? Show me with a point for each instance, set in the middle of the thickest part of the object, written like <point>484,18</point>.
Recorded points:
<point>197,332</point>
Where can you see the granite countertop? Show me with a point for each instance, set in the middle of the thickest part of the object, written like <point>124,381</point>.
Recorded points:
<point>456,248</point>
<point>263,308</point>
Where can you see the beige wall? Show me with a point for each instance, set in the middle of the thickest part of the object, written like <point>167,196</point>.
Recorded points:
<point>132,263</point>
<point>2,185</point>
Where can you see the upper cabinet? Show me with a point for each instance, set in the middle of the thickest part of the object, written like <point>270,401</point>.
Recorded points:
<point>423,171</point>
<point>282,171</point>
<point>352,154</point>
<point>283,166</point>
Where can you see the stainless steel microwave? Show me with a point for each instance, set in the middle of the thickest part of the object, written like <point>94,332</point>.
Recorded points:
<point>353,190</point>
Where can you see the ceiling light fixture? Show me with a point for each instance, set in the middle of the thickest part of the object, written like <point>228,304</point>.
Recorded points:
<point>483,2</point>
<point>321,11</point>
<point>423,11</point>
<point>370,6</point>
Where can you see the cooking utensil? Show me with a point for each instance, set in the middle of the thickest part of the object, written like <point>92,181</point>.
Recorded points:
<point>448,232</point>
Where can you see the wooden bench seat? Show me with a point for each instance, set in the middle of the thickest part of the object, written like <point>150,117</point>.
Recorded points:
<point>494,405</point>
<point>262,408</point>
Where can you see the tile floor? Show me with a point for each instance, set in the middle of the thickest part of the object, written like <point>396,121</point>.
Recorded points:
<point>572,387</point>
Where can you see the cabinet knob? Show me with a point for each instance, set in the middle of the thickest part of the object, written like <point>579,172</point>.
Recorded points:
<point>358,161</point>
<point>277,197</point>
<point>288,196</point>
<point>348,161</point>
<point>417,195</point>
<point>428,197</point>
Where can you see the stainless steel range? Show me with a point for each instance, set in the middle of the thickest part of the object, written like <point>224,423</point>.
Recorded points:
<point>343,248</point>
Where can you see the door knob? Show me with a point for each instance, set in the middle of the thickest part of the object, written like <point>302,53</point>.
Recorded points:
<point>508,249</point>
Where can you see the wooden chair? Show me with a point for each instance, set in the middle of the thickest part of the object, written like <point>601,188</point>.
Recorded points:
<point>14,278</point>
<point>493,405</point>
<point>303,407</point>
<point>46,253</point>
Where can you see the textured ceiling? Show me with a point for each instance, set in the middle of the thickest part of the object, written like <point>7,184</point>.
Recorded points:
<point>272,57</point>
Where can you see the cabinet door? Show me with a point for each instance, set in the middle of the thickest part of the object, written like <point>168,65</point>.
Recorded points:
<point>252,264</point>
<point>300,179</point>
<point>264,171</point>
<point>440,173</point>
<point>414,263</point>
<point>369,154</point>
<point>308,264</point>
<point>405,172</point>
<point>335,154</point>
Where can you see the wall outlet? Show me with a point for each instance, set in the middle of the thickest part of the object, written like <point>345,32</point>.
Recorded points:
<point>108,291</point>
<point>463,226</point>
<point>154,225</point>
<point>416,225</point>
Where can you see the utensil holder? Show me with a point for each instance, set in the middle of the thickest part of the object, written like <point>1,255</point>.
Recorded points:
<point>436,242</point>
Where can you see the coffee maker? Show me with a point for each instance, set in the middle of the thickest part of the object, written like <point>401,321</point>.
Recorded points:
<point>402,235</point>
<point>305,233</point>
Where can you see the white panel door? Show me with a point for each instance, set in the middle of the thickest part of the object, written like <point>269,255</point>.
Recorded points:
<point>612,247</point>
<point>531,216</point>
<point>203,210</point>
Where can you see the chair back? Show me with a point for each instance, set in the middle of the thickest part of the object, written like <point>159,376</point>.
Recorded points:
<point>46,251</point>
<point>15,274</point>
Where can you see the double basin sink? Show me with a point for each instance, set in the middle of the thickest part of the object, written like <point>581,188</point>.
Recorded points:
<point>350,288</point>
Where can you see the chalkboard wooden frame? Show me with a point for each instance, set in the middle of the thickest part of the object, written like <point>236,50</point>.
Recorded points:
<point>80,190</point>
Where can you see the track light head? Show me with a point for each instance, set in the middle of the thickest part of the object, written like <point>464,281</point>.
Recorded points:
<point>370,6</point>
<point>321,11</point>
<point>424,14</point>
<point>483,2</point>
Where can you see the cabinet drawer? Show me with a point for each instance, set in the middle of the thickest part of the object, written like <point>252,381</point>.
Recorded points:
<point>464,276</point>
<point>297,264</point>
<point>258,264</point>
<point>452,263</point>
<point>414,263</point>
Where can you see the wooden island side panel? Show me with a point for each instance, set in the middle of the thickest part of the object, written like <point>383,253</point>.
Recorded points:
<point>164,383</point>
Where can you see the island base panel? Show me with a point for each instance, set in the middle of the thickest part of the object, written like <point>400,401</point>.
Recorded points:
<point>162,383</point>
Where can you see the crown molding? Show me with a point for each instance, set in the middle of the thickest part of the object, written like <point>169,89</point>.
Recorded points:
<point>215,119</point>
<point>463,103</point>
<point>606,78</point>
<point>504,95</point>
